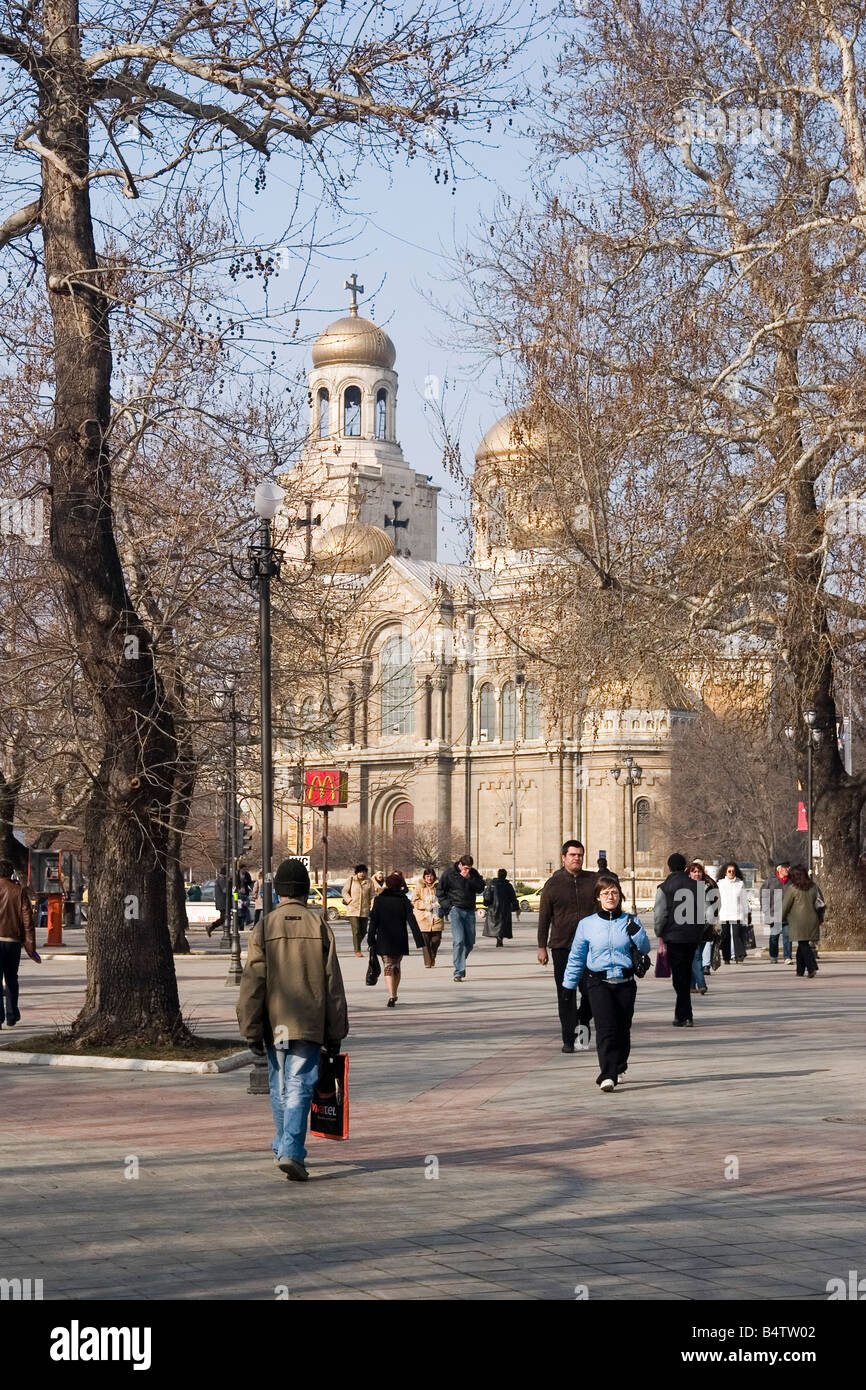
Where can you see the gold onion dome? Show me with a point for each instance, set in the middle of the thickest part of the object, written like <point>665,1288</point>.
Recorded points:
<point>513,434</point>
<point>354,339</point>
<point>353,549</point>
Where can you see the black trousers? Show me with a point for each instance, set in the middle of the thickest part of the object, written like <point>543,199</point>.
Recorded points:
<point>805,957</point>
<point>681,955</point>
<point>613,1010</point>
<point>10,959</point>
<point>571,1014</point>
<point>734,933</point>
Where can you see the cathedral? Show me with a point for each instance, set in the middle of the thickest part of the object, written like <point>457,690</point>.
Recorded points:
<point>444,731</point>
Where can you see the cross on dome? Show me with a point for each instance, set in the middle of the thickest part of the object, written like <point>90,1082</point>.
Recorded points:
<point>354,289</point>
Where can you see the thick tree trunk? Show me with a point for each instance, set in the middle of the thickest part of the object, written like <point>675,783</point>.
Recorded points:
<point>10,848</point>
<point>184,785</point>
<point>131,983</point>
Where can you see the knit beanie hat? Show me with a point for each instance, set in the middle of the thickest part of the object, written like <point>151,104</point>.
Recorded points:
<point>292,880</point>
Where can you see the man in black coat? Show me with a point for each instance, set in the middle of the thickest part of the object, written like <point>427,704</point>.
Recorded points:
<point>680,918</point>
<point>567,896</point>
<point>459,887</point>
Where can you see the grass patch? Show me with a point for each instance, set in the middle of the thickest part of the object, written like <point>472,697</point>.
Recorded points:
<point>198,1050</point>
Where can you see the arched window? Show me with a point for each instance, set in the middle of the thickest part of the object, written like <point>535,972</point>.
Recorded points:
<point>532,705</point>
<point>351,712</point>
<point>324,412</point>
<point>397,676</point>
<point>307,718</point>
<point>509,723</point>
<point>642,826</point>
<point>382,414</point>
<point>327,734</point>
<point>486,714</point>
<point>352,412</point>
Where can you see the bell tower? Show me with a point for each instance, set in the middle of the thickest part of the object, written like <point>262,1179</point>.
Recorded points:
<point>352,467</point>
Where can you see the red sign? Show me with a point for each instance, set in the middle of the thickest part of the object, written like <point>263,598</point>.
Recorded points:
<point>326,786</point>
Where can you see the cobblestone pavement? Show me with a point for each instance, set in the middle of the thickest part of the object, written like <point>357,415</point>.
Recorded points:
<point>729,1165</point>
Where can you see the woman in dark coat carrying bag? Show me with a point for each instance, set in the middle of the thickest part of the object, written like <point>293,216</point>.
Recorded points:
<point>391,916</point>
<point>500,900</point>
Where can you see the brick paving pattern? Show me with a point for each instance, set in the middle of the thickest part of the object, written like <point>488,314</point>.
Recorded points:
<point>544,1184</point>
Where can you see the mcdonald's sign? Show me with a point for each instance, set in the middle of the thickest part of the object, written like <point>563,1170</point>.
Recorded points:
<point>326,786</point>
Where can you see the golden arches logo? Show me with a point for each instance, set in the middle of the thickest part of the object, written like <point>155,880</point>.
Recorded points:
<point>325,787</point>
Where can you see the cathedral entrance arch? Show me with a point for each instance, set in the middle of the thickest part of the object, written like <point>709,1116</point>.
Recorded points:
<point>392,829</point>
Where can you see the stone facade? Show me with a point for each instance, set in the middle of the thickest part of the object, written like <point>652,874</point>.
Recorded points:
<point>437,724</point>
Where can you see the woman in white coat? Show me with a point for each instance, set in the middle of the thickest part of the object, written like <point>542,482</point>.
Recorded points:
<point>733,912</point>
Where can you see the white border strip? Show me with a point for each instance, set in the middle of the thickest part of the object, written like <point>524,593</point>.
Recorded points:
<point>55,1059</point>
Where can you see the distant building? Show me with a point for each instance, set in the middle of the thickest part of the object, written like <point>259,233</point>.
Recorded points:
<point>437,722</point>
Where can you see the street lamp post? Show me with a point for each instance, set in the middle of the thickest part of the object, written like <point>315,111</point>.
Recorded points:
<point>218,700</point>
<point>634,773</point>
<point>265,560</point>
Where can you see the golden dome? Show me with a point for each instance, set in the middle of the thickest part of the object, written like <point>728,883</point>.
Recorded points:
<point>353,549</point>
<point>513,434</point>
<point>353,339</point>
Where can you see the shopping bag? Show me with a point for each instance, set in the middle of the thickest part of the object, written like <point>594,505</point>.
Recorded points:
<point>374,969</point>
<point>663,965</point>
<point>329,1113</point>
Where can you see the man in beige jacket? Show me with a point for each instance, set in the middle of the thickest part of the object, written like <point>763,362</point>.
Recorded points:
<point>291,1004</point>
<point>358,897</point>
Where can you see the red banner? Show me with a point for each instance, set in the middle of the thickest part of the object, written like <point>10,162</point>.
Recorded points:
<point>326,786</point>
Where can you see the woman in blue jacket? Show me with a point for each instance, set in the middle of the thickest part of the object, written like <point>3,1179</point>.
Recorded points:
<point>602,951</point>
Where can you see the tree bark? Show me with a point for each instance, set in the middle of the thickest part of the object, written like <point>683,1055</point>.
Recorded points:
<point>181,801</point>
<point>131,983</point>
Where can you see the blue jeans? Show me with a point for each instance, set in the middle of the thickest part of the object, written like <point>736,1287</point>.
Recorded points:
<point>785,936</point>
<point>292,1075</point>
<point>698,981</point>
<point>462,936</point>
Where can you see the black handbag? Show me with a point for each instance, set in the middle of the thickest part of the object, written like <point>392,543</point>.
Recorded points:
<point>374,969</point>
<point>640,962</point>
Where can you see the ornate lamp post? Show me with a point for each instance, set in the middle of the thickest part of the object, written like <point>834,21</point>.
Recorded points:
<point>231,934</point>
<point>634,773</point>
<point>265,562</point>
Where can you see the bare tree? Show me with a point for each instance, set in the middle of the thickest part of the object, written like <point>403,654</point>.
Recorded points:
<point>205,83</point>
<point>687,334</point>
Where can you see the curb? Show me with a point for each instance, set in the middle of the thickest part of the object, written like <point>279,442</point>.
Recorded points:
<point>214,1067</point>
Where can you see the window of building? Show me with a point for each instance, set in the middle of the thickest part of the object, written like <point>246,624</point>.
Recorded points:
<point>642,826</point>
<point>486,714</point>
<point>351,712</point>
<point>327,734</point>
<point>509,723</point>
<point>532,707</point>
<point>307,720</point>
<point>324,412</point>
<point>382,414</point>
<point>352,412</point>
<point>397,676</point>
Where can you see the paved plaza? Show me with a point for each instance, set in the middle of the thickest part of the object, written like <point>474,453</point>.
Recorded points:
<point>482,1164</point>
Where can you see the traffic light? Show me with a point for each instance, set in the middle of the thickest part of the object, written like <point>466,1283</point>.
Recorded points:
<point>246,838</point>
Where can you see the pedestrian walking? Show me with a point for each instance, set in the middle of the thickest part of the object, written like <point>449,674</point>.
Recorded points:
<point>772,896</point>
<point>358,894</point>
<point>601,954</point>
<point>500,900</point>
<point>391,916</point>
<point>220,898</point>
<point>292,1003</point>
<point>679,918</point>
<point>700,964</point>
<point>459,888</point>
<point>378,881</point>
<point>258,896</point>
<point>733,913</point>
<point>194,893</point>
<point>802,911</point>
<point>428,914</point>
<point>567,897</point>
<point>16,930</point>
